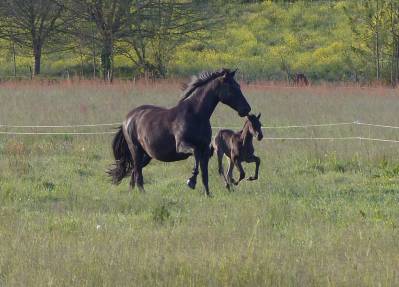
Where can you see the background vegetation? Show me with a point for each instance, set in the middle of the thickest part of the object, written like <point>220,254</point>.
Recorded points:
<point>327,40</point>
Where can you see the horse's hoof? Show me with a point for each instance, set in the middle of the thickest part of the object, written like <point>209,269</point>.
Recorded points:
<point>191,184</point>
<point>252,178</point>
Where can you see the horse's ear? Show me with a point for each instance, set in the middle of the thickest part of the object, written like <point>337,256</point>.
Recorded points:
<point>225,74</point>
<point>233,73</point>
<point>259,116</point>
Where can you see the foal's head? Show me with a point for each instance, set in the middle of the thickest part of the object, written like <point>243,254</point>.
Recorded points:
<point>229,92</point>
<point>254,126</point>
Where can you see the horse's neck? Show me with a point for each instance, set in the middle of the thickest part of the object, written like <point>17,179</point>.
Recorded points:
<point>203,101</point>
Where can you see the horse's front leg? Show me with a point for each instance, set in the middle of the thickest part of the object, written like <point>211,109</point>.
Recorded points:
<point>192,181</point>
<point>204,160</point>
<point>184,147</point>
<point>256,160</point>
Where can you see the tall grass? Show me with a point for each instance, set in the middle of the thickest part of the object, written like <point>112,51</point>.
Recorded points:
<point>322,212</point>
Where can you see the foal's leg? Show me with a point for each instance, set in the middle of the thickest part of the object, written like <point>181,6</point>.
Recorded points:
<point>204,159</point>
<point>192,181</point>
<point>237,162</point>
<point>256,160</point>
<point>220,166</point>
<point>230,180</point>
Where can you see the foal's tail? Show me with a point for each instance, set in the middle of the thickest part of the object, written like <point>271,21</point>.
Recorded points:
<point>123,159</point>
<point>215,146</point>
<point>211,149</point>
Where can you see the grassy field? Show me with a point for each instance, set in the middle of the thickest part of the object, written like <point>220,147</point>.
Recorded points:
<point>323,213</point>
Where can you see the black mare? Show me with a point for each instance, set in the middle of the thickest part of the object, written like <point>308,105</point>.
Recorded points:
<point>151,132</point>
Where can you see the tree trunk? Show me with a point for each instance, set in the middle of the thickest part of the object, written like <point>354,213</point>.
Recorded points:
<point>397,59</point>
<point>107,58</point>
<point>94,54</point>
<point>37,53</point>
<point>377,44</point>
<point>14,58</point>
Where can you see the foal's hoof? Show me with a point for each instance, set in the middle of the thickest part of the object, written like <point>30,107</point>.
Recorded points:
<point>252,178</point>
<point>191,183</point>
<point>228,186</point>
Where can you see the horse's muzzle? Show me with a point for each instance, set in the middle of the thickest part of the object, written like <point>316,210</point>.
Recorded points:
<point>244,112</point>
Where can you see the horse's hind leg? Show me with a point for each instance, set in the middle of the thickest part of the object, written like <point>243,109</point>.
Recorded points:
<point>145,161</point>
<point>138,168</point>
<point>256,160</point>
<point>138,162</point>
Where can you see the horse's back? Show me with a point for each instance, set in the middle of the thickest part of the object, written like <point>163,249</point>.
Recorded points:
<point>145,109</point>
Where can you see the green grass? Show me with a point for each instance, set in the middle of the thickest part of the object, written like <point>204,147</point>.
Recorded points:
<point>321,214</point>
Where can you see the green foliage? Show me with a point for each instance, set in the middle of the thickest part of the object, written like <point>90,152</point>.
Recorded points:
<point>268,40</point>
<point>327,40</point>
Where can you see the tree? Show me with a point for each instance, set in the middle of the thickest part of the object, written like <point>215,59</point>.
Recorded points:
<point>375,26</point>
<point>112,20</point>
<point>31,24</point>
<point>393,15</point>
<point>159,26</point>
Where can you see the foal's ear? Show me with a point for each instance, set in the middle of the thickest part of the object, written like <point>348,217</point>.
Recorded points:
<point>259,116</point>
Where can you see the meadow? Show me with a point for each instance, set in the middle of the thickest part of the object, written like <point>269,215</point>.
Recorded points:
<point>323,213</point>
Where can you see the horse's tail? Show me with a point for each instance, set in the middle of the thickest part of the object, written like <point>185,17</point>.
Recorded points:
<point>123,159</point>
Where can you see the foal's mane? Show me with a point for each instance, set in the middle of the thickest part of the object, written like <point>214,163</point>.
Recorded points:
<point>200,80</point>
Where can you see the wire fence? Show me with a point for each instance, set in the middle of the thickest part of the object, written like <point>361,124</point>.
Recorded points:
<point>355,123</point>
<point>114,125</point>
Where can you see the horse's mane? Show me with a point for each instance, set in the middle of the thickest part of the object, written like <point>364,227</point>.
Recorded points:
<point>200,80</point>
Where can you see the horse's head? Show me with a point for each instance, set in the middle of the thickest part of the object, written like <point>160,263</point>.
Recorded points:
<point>230,93</point>
<point>255,126</point>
